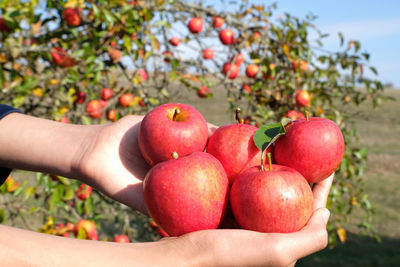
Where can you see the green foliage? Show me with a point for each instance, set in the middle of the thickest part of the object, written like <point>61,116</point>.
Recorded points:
<point>32,79</point>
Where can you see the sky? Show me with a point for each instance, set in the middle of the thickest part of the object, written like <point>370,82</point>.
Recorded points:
<point>376,24</point>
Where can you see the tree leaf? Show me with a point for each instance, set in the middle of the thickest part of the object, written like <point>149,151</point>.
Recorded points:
<point>267,134</point>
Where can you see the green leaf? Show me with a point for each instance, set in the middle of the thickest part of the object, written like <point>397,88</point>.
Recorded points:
<point>267,134</point>
<point>2,215</point>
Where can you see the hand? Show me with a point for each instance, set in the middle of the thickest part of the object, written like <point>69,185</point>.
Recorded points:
<point>249,248</point>
<point>112,162</point>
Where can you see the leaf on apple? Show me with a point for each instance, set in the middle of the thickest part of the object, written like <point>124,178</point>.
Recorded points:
<point>267,134</point>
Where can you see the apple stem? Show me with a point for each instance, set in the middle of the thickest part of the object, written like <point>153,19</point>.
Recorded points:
<point>307,116</point>
<point>177,111</point>
<point>262,162</point>
<point>238,118</point>
<point>174,155</point>
<point>269,161</point>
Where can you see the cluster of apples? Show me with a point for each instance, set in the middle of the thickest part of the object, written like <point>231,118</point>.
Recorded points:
<point>195,178</point>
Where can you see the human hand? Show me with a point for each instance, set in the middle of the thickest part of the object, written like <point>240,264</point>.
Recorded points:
<point>230,247</point>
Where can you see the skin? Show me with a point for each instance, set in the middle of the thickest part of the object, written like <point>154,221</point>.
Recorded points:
<point>107,157</point>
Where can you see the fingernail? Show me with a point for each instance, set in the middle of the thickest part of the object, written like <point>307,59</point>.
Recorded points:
<point>325,215</point>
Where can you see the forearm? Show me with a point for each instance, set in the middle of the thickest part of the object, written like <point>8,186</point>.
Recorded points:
<point>26,248</point>
<point>36,144</point>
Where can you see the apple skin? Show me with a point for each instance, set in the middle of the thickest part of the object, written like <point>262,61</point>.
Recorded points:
<point>252,70</point>
<point>246,88</point>
<point>303,98</point>
<point>72,16</point>
<point>84,191</point>
<point>3,25</point>
<point>106,93</point>
<point>160,135</point>
<point>226,36</point>
<point>232,69</point>
<point>208,53</point>
<point>90,228</point>
<point>234,147</point>
<point>313,147</point>
<point>121,239</point>
<point>174,41</point>
<point>203,92</point>
<point>238,59</point>
<point>80,97</point>
<point>125,100</point>
<point>187,194</point>
<point>61,58</point>
<point>94,109</point>
<point>195,25</point>
<point>301,64</point>
<point>271,201</point>
<point>294,114</point>
<point>217,22</point>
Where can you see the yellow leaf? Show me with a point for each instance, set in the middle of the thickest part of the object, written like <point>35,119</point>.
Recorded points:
<point>135,101</point>
<point>36,27</point>
<point>38,92</point>
<point>286,50</point>
<point>12,185</point>
<point>3,58</point>
<point>63,110</point>
<point>256,61</point>
<point>319,111</point>
<point>75,3</point>
<point>53,81</point>
<point>154,42</point>
<point>342,234</point>
<point>354,200</point>
<point>136,79</point>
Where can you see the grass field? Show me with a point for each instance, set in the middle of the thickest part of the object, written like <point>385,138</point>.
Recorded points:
<point>379,131</point>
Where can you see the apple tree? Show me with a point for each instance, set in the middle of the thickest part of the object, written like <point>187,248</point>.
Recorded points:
<point>95,61</point>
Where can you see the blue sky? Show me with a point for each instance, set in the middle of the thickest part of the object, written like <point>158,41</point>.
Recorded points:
<point>376,24</point>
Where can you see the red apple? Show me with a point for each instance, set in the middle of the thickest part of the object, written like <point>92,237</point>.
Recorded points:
<point>252,70</point>
<point>217,22</point>
<point>142,103</point>
<point>80,97</point>
<point>61,58</point>
<point>88,228</point>
<point>238,59</point>
<point>187,194</point>
<point>72,16</point>
<point>94,109</point>
<point>234,147</point>
<point>64,120</point>
<point>312,146</point>
<point>208,53</point>
<point>125,100</point>
<point>246,88</point>
<point>112,114</point>
<point>3,25</point>
<point>272,201</point>
<point>121,239</point>
<point>134,36</point>
<point>114,54</point>
<point>226,36</point>
<point>203,92</point>
<point>143,74</point>
<point>167,56</point>
<point>84,191</point>
<point>106,93</point>
<point>195,25</point>
<point>301,64</point>
<point>294,114</point>
<point>172,128</point>
<point>174,41</point>
<point>230,69</point>
<point>302,98</point>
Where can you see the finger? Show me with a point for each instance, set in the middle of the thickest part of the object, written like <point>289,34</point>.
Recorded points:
<point>321,192</point>
<point>312,238</point>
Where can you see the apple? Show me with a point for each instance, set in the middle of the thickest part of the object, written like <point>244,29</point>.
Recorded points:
<point>302,98</point>
<point>94,109</point>
<point>72,16</point>
<point>277,200</point>
<point>294,114</point>
<point>174,41</point>
<point>246,88</point>
<point>238,59</point>
<point>106,93</point>
<point>114,54</point>
<point>301,64</point>
<point>112,114</point>
<point>143,74</point>
<point>312,146</point>
<point>61,58</point>
<point>226,36</point>
<point>80,97</point>
<point>167,56</point>
<point>234,147</point>
<point>125,100</point>
<point>142,103</point>
<point>187,194</point>
<point>252,70</point>
<point>88,228</point>
<point>3,25</point>
<point>195,25</point>
<point>230,69</point>
<point>134,36</point>
<point>217,22</point>
<point>172,128</point>
<point>203,92</point>
<point>268,75</point>
<point>84,191</point>
<point>208,53</point>
<point>64,120</point>
<point>121,239</point>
